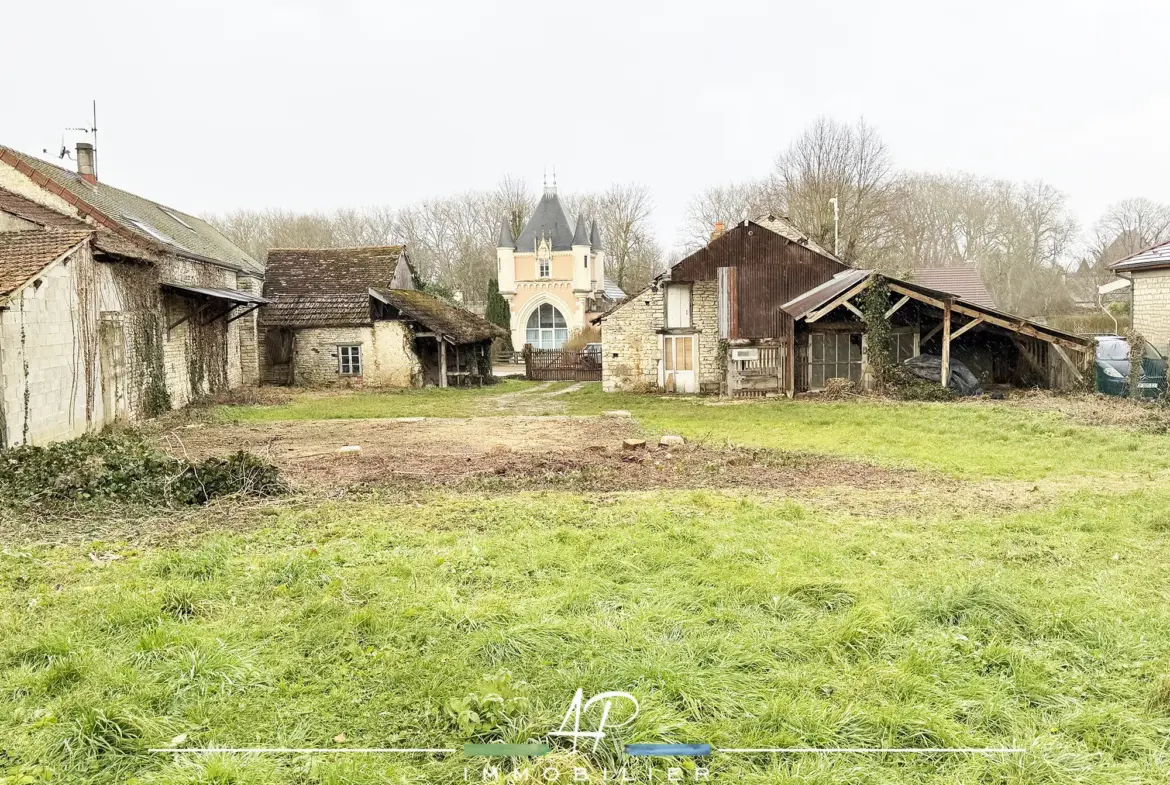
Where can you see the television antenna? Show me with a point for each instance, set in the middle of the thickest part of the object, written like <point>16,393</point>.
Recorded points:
<point>66,152</point>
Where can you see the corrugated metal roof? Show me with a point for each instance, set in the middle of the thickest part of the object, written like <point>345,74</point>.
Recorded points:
<point>1151,258</point>
<point>232,295</point>
<point>172,229</point>
<point>965,282</point>
<point>814,298</point>
<point>785,228</point>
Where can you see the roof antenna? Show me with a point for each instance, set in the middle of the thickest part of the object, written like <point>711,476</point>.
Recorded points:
<point>91,130</point>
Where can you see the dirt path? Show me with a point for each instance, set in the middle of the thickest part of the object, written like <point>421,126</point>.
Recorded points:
<point>538,400</point>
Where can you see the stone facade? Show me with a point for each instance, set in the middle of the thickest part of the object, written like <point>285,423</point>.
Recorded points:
<point>387,356</point>
<point>631,339</point>
<point>1151,306</point>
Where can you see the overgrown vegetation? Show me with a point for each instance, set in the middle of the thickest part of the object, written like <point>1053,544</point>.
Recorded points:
<point>890,378</point>
<point>1137,351</point>
<point>498,312</point>
<point>124,468</point>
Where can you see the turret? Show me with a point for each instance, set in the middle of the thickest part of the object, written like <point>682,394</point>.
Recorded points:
<point>506,259</point>
<point>597,263</point>
<point>582,275</point>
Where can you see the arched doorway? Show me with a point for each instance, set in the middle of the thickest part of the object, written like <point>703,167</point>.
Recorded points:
<point>547,328</point>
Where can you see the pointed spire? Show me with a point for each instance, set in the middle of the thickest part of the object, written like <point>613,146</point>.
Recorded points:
<point>595,237</point>
<point>581,236</point>
<point>505,240</point>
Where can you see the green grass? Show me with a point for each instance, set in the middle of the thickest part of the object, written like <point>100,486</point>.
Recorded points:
<point>424,402</point>
<point>735,620</point>
<point>739,619</point>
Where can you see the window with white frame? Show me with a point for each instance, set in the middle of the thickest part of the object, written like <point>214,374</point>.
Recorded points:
<point>545,268</point>
<point>349,360</point>
<point>833,355</point>
<point>547,328</point>
<point>905,344</point>
<point>678,305</point>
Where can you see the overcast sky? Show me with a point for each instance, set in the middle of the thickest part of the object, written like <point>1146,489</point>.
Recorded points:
<point>209,106</point>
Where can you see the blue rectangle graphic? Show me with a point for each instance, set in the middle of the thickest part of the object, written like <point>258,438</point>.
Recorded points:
<point>668,750</point>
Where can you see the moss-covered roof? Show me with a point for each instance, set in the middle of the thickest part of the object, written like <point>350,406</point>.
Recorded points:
<point>440,316</point>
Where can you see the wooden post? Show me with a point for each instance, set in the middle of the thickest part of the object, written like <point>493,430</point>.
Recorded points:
<point>944,375</point>
<point>790,362</point>
<point>442,361</point>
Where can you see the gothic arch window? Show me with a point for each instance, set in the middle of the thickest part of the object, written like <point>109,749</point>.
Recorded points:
<point>547,328</point>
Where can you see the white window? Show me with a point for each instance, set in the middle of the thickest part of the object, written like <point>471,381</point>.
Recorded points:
<point>349,360</point>
<point>905,344</point>
<point>833,356</point>
<point>545,268</point>
<point>678,305</point>
<point>547,328</point>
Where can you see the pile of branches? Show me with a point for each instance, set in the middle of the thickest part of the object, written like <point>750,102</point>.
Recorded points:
<point>124,468</point>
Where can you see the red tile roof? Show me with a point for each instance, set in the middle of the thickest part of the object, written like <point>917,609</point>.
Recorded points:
<point>965,282</point>
<point>25,254</point>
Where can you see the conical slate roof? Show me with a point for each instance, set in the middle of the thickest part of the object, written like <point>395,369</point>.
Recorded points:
<point>581,236</point>
<point>505,240</point>
<point>548,220</point>
<point>595,237</point>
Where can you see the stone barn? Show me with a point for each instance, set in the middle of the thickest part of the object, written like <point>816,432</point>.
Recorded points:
<point>112,307</point>
<point>355,317</point>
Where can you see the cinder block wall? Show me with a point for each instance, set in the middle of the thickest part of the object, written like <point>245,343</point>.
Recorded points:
<point>45,338</point>
<point>631,346</point>
<point>1151,307</point>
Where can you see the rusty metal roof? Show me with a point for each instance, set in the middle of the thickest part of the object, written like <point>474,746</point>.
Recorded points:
<point>814,298</point>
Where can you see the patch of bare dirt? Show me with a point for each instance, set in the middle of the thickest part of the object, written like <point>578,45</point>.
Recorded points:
<point>518,453</point>
<point>1093,409</point>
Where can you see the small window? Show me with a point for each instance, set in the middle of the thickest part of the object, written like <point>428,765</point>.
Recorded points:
<point>349,360</point>
<point>833,356</point>
<point>586,261</point>
<point>177,218</point>
<point>545,268</point>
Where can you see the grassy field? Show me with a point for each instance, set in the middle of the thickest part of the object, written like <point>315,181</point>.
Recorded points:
<point>740,619</point>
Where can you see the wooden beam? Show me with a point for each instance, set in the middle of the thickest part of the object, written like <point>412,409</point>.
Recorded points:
<point>442,363</point>
<point>922,341</point>
<point>966,327</point>
<point>853,308</point>
<point>817,314</point>
<point>894,308</point>
<point>1072,367</point>
<point>944,372</point>
<point>913,295</point>
<point>1027,355</point>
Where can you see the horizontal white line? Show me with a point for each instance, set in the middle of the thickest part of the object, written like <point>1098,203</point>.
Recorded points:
<point>298,750</point>
<point>876,750</point>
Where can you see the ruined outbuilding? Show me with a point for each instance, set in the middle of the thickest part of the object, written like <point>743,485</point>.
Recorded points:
<point>355,316</point>
<point>112,307</point>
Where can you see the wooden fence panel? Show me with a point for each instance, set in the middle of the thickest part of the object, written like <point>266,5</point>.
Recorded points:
<point>556,365</point>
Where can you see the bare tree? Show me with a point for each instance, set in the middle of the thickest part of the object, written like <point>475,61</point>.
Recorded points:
<point>848,162</point>
<point>1125,228</point>
<point>726,204</point>
<point>623,214</point>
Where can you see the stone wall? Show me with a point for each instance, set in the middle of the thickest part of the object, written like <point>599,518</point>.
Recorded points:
<point>315,354</point>
<point>1151,307</point>
<point>49,361</point>
<point>705,318</point>
<point>393,361</point>
<point>249,334</point>
<point>631,339</point>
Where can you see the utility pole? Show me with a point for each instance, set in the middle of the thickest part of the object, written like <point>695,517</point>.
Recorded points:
<point>836,228</point>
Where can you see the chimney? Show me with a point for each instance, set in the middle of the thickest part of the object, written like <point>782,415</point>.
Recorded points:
<point>718,230</point>
<point>86,162</point>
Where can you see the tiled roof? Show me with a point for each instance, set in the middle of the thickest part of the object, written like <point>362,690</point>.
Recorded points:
<point>439,316</point>
<point>166,228</point>
<point>317,271</point>
<point>1151,258</point>
<point>24,254</point>
<point>965,282</point>
<point>612,290</point>
<point>104,239</point>
<point>785,228</point>
<point>317,310</point>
